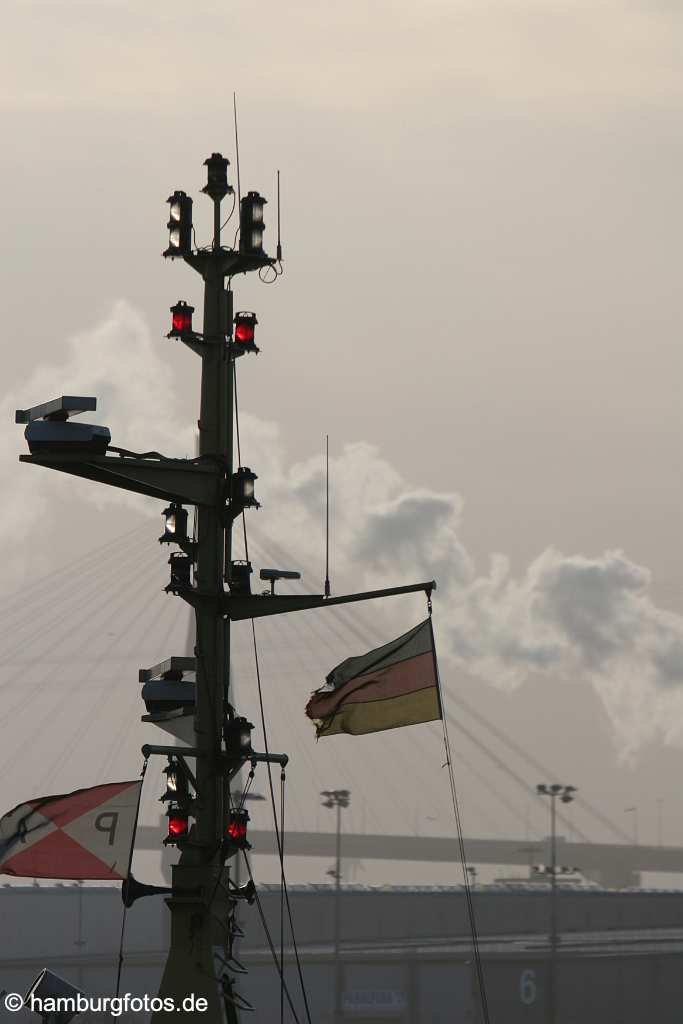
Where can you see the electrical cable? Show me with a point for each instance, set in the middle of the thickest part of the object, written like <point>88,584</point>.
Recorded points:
<point>234,203</point>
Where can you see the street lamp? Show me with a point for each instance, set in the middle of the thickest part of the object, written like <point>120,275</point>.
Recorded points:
<point>337,798</point>
<point>634,812</point>
<point>566,795</point>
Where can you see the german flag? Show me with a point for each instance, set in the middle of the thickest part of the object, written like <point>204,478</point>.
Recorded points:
<point>394,685</point>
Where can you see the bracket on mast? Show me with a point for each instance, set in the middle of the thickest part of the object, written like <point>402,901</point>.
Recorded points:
<point>254,606</point>
<point>181,480</point>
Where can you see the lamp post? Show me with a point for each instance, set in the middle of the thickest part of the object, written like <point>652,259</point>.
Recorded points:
<point>660,829</point>
<point>337,798</point>
<point>634,812</point>
<point>566,795</point>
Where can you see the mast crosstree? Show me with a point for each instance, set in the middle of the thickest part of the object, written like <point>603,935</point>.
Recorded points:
<point>203,822</point>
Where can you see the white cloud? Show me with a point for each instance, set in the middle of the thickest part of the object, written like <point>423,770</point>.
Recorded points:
<point>118,363</point>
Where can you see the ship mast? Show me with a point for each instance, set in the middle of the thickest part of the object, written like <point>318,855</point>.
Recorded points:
<point>208,828</point>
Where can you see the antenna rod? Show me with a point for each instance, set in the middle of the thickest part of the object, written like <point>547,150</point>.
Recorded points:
<point>279,246</point>
<point>237,149</point>
<point>327,515</point>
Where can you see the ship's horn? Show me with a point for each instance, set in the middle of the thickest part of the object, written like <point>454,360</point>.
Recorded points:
<point>132,890</point>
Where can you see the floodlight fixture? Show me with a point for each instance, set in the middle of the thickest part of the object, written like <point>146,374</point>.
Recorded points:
<point>336,797</point>
<point>554,790</point>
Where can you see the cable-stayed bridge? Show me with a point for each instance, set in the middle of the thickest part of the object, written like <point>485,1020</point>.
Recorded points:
<point>69,656</point>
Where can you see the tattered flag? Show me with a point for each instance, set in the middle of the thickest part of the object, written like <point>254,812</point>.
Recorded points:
<point>392,686</point>
<point>86,834</point>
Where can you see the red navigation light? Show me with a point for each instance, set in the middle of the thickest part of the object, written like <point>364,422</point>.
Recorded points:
<point>181,320</point>
<point>177,824</point>
<point>245,332</point>
<point>236,833</point>
<point>237,830</point>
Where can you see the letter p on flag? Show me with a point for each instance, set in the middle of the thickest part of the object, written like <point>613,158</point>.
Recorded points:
<point>87,834</point>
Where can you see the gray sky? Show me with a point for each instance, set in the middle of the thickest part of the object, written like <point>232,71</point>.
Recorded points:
<point>481,231</point>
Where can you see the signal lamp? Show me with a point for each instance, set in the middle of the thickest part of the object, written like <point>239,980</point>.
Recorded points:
<point>237,735</point>
<point>217,173</point>
<point>181,568</point>
<point>178,826</point>
<point>181,321</point>
<point>236,833</point>
<point>179,225</point>
<point>242,489</point>
<point>176,783</point>
<point>244,333</point>
<point>251,224</point>
<point>238,580</point>
<point>175,524</point>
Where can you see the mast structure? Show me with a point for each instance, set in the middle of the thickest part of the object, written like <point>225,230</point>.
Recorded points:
<point>203,899</point>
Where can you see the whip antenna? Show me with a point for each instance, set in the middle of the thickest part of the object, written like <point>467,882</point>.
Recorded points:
<point>237,148</point>
<point>327,515</point>
<point>279,247</point>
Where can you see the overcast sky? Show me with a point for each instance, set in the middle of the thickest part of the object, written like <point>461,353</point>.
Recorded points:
<point>481,305</point>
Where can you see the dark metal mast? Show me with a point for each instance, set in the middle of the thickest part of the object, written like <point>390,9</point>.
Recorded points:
<point>202,900</point>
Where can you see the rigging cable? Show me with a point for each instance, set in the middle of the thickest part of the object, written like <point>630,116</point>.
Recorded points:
<point>282,896</point>
<point>279,829</point>
<point>128,875</point>
<point>458,823</point>
<point>271,945</point>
